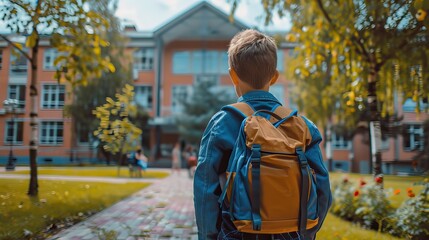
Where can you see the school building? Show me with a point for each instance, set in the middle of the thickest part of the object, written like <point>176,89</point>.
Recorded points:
<point>166,62</point>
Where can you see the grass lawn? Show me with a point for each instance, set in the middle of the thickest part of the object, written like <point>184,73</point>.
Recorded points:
<point>58,201</point>
<point>337,228</point>
<point>91,172</point>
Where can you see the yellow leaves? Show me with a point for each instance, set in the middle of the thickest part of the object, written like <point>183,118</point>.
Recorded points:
<point>421,15</point>
<point>31,40</point>
<point>116,129</point>
<point>97,50</point>
<point>111,67</point>
<point>350,96</point>
<point>291,37</point>
<point>110,101</point>
<point>19,46</point>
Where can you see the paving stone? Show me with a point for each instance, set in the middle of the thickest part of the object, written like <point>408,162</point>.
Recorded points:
<point>153,213</point>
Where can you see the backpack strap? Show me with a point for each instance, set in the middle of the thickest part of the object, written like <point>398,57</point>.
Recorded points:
<point>242,108</point>
<point>256,187</point>
<point>282,111</point>
<point>305,187</point>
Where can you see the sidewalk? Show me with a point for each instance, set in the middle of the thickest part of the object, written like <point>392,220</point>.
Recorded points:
<point>164,210</point>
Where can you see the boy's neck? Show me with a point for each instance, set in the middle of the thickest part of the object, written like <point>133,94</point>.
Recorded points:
<point>244,88</point>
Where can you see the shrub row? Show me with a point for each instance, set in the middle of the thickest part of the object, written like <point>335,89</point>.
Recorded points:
<point>368,204</point>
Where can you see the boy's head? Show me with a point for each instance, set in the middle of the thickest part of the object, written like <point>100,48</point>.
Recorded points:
<point>252,56</point>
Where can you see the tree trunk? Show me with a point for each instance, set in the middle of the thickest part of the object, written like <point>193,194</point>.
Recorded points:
<point>34,186</point>
<point>374,127</point>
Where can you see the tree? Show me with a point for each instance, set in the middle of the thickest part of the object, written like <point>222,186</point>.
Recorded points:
<point>74,30</point>
<point>378,36</point>
<point>87,97</point>
<point>116,131</point>
<point>203,102</point>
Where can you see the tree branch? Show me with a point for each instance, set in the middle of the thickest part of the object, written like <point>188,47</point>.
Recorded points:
<point>16,47</point>
<point>22,6</point>
<point>400,46</point>
<point>360,45</point>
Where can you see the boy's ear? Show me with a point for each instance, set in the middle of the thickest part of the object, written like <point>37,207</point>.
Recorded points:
<point>234,76</point>
<point>274,78</point>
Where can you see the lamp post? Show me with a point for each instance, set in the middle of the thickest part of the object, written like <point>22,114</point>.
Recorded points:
<point>10,106</point>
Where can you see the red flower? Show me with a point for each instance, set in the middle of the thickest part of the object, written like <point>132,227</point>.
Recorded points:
<point>409,190</point>
<point>362,182</point>
<point>411,194</point>
<point>379,180</point>
<point>356,193</point>
<point>397,192</point>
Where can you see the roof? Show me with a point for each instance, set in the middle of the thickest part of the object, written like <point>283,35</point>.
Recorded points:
<point>202,21</point>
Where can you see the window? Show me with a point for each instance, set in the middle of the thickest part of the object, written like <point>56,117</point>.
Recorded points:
<point>413,138</point>
<point>291,92</point>
<point>143,59</point>
<point>83,135</point>
<point>49,57</point>
<point>211,62</point>
<point>18,63</point>
<point>340,141</point>
<point>17,92</point>
<point>51,133</point>
<point>224,66</point>
<point>280,61</point>
<point>200,61</point>
<point>212,79</point>
<point>53,96</point>
<point>411,106</point>
<point>180,94</point>
<point>14,132</point>
<point>277,91</point>
<point>143,96</point>
<point>182,62</point>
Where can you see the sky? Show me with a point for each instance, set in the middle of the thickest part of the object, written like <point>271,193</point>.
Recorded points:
<point>148,15</point>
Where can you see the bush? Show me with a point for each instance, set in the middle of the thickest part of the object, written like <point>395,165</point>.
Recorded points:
<point>412,217</point>
<point>344,201</point>
<point>373,207</point>
<point>368,205</point>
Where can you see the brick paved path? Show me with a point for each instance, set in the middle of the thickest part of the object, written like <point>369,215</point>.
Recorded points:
<point>163,210</point>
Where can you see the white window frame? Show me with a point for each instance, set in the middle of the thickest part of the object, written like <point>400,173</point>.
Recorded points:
<point>18,123</point>
<point>52,89</point>
<point>14,89</point>
<point>339,142</point>
<point>21,67</point>
<point>147,95</point>
<point>52,53</point>
<point>413,129</point>
<point>178,92</point>
<point>143,53</point>
<point>54,138</point>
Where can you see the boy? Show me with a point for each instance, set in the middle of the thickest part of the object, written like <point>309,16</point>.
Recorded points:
<point>252,58</point>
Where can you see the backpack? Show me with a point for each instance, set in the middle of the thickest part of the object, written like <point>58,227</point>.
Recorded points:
<point>270,188</point>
